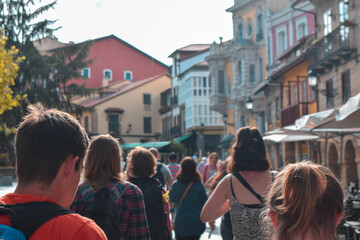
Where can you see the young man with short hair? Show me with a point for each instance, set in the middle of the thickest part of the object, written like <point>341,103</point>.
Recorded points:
<point>50,146</point>
<point>163,173</point>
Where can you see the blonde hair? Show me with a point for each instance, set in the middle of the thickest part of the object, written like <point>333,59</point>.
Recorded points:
<point>103,161</point>
<point>305,197</point>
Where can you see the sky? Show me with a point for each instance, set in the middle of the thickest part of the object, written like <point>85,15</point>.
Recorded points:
<point>156,27</point>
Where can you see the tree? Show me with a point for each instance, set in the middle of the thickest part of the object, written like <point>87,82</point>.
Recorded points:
<point>42,77</point>
<point>9,67</point>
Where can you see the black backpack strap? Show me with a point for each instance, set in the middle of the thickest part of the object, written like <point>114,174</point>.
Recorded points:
<point>248,187</point>
<point>28,217</point>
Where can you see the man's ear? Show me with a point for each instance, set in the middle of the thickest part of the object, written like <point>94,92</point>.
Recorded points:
<point>69,165</point>
<point>273,218</point>
<point>338,217</point>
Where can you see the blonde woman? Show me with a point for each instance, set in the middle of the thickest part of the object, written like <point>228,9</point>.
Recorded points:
<point>102,172</point>
<point>305,202</point>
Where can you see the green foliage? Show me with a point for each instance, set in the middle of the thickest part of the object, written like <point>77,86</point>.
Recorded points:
<point>4,159</point>
<point>43,78</point>
<point>177,148</point>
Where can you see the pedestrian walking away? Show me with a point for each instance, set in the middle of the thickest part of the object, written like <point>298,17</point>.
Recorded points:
<point>50,146</point>
<point>116,205</point>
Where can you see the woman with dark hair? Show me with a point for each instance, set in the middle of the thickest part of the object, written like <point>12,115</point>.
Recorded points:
<point>141,169</point>
<point>102,173</point>
<point>242,192</point>
<point>306,201</point>
<point>188,195</point>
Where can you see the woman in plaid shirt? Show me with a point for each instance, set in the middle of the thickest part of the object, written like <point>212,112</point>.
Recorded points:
<point>103,170</point>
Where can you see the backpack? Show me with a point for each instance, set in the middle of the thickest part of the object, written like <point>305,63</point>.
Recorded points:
<point>159,176</point>
<point>154,207</point>
<point>26,218</point>
<point>101,207</point>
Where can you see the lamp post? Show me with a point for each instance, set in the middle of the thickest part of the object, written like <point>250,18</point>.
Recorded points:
<point>313,83</point>
<point>249,104</point>
<point>201,139</point>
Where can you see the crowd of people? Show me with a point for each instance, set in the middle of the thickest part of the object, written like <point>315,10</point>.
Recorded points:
<point>150,200</point>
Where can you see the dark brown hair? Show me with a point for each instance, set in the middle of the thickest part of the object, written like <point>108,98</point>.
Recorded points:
<point>188,172</point>
<point>43,141</point>
<point>102,161</point>
<point>248,151</point>
<point>142,162</point>
<point>305,197</point>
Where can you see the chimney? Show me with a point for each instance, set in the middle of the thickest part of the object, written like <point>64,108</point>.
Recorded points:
<point>221,38</point>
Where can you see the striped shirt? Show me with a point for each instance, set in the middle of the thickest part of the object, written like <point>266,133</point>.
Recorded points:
<point>174,169</point>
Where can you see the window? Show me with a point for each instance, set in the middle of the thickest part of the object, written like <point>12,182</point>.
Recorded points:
<point>301,30</point>
<point>240,73</point>
<point>114,124</point>
<point>277,108</point>
<point>261,69</point>
<point>295,98</point>
<point>147,101</point>
<point>85,73</point>
<point>221,82</point>
<point>345,86</point>
<point>107,74</point>
<point>281,42</point>
<point>243,121</point>
<point>249,28</point>
<point>329,94</point>
<point>327,22</point>
<point>86,123</point>
<point>241,31</point>
<point>147,98</point>
<point>252,73</point>
<point>269,113</point>
<point>343,17</point>
<point>128,75</point>
<point>147,124</point>
<point>312,95</point>
<point>204,82</point>
<point>260,34</point>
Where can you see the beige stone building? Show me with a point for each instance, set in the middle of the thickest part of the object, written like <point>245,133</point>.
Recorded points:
<point>127,110</point>
<point>333,60</point>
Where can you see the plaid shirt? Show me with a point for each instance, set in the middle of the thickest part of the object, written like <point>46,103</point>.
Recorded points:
<point>130,204</point>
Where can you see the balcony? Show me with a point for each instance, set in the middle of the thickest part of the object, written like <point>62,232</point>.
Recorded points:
<point>289,115</point>
<point>339,45</point>
<point>218,103</point>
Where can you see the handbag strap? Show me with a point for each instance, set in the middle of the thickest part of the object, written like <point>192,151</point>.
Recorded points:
<point>187,189</point>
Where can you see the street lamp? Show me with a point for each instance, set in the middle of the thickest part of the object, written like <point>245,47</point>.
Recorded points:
<point>225,120</point>
<point>312,80</point>
<point>202,127</point>
<point>249,104</point>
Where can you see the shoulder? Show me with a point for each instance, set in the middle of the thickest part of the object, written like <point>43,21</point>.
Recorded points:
<point>130,188</point>
<point>77,227</point>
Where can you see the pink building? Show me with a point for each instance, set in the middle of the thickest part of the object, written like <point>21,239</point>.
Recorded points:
<point>115,60</point>
<point>287,27</point>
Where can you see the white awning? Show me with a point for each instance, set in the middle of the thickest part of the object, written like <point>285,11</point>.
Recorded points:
<point>289,138</point>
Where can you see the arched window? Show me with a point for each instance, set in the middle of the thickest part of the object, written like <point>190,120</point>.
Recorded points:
<point>252,73</point>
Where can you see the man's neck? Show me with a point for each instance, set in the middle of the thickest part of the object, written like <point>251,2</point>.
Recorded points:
<point>37,189</point>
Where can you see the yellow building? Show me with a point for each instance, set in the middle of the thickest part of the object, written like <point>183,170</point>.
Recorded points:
<point>128,110</point>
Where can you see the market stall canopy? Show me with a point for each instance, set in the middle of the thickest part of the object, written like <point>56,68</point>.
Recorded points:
<point>348,115</point>
<point>277,138</point>
<point>145,145</point>
<point>182,138</point>
<point>310,121</point>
